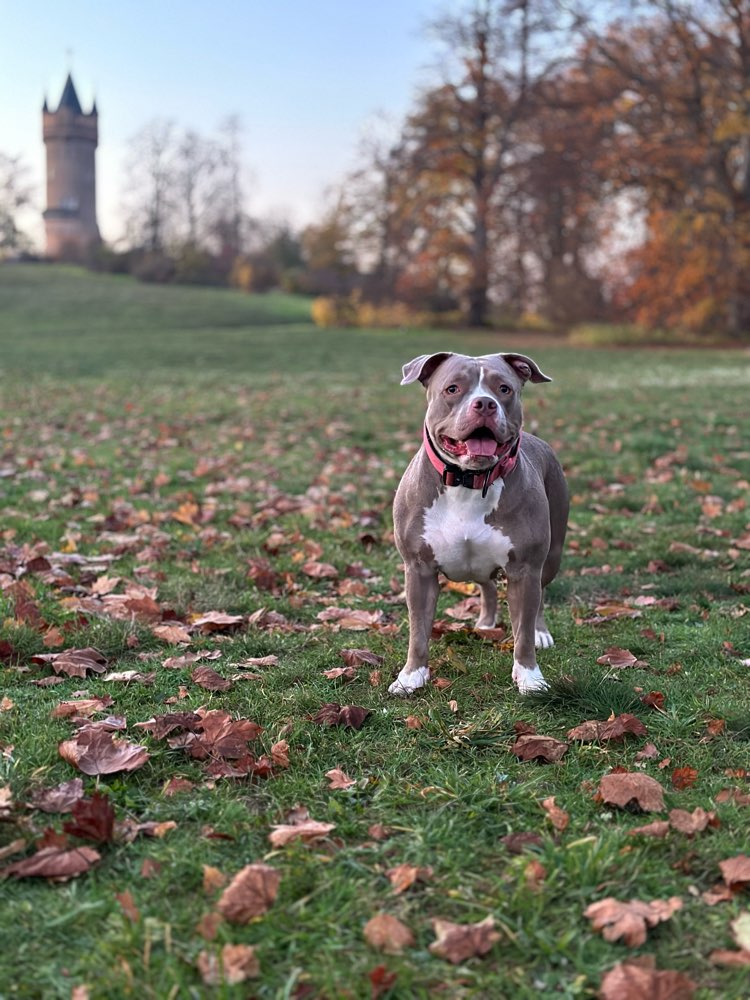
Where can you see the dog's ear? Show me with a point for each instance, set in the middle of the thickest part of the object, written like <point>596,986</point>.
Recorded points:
<point>423,367</point>
<point>525,368</point>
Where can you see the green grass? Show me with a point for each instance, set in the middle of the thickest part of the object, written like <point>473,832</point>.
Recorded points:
<point>122,402</point>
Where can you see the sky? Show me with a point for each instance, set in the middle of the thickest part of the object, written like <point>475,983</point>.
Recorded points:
<point>308,79</point>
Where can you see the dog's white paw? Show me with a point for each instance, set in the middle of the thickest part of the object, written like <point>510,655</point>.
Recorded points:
<point>543,639</point>
<point>528,679</point>
<point>409,681</point>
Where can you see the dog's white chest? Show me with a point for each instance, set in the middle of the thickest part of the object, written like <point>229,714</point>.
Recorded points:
<point>464,545</point>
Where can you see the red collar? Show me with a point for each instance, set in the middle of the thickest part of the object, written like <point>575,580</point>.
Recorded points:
<point>454,475</point>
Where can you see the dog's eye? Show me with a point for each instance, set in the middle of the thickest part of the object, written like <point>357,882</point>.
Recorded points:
<point>505,390</point>
<point>452,389</point>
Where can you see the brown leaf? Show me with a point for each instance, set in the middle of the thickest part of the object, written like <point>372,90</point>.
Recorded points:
<point>176,785</point>
<point>208,925</point>
<point>736,871</point>
<point>457,942</point>
<point>521,841</point>
<point>386,933</point>
<point>557,816</point>
<point>732,959</point>
<point>381,981</point>
<point>691,822</point>
<point>319,570</point>
<point>684,777</point>
<point>629,981</point>
<point>280,753</point>
<point>59,799</point>
<point>172,633</point>
<point>402,877</point>
<point>250,893</point>
<point>354,657</point>
<point>216,621</point>
<point>127,904</point>
<point>338,779</point>
<point>335,672</point>
<point>74,662</point>
<point>629,789</point>
<point>532,746</point>
<point>161,725</point>
<point>55,863</point>
<point>99,752</point>
<point>617,657</point>
<point>93,819</point>
<point>208,678</point>
<point>631,920</point>
<point>648,752</point>
<point>613,730</point>
<point>213,879</point>
<point>235,964</point>
<point>659,828</point>
<point>82,707</point>
<point>222,736</point>
<point>307,830</point>
<point>332,714</point>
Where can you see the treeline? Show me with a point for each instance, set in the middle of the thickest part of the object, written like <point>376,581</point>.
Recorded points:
<point>569,163</point>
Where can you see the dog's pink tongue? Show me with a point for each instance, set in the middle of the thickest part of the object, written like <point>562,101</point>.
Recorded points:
<point>483,447</point>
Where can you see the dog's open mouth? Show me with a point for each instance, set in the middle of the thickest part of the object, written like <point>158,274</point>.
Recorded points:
<point>481,444</point>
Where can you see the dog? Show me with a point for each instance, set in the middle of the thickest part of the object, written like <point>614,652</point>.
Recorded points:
<point>481,497</point>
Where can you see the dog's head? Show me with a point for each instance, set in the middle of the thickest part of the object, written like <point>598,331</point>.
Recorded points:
<point>474,409</point>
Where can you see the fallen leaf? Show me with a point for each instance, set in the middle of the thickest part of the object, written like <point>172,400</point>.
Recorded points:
<point>517,843</point>
<point>171,633</point>
<point>557,816</point>
<point>659,828</point>
<point>74,662</point>
<point>386,933</point>
<point>402,877</point>
<point>250,893</point>
<point>93,819</point>
<point>319,570</point>
<point>208,678</point>
<point>177,785</point>
<point>612,730</point>
<point>457,942</point>
<point>338,779</point>
<point>684,777</point>
<point>617,657</point>
<point>381,981</point>
<point>630,981</point>
<point>350,716</point>
<point>727,957</point>
<point>532,746</point>
<point>216,621</point>
<point>55,863</point>
<point>99,752</point>
<point>127,904</point>
<point>354,657</point>
<point>82,707</point>
<point>630,920</point>
<point>308,831</point>
<point>736,871</point>
<point>691,822</point>
<point>741,930</point>
<point>59,799</point>
<point>280,753</point>
<point>629,789</point>
<point>235,964</point>
<point>213,879</point>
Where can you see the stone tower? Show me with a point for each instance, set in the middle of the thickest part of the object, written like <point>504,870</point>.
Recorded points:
<point>71,137</point>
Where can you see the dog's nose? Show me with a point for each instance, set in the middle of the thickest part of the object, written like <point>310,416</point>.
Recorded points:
<point>484,404</point>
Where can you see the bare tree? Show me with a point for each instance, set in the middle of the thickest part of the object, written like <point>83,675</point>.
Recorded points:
<point>151,171</point>
<point>15,196</point>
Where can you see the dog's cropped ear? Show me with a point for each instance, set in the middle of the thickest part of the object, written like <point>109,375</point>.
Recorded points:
<point>423,367</point>
<point>525,368</point>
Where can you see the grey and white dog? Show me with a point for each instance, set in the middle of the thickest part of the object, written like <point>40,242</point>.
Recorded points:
<point>481,497</point>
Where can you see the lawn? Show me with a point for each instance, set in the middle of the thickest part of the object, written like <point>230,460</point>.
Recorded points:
<point>171,453</point>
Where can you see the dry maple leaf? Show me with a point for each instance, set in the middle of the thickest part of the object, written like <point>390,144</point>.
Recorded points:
<point>612,730</point>
<point>532,746</point>
<point>659,828</point>
<point>631,920</point>
<point>736,871</point>
<point>457,942</point>
<point>386,933</point>
<point>59,799</point>
<point>172,633</point>
<point>82,707</point>
<point>208,678</point>
<point>93,819</point>
<point>213,879</point>
<point>55,863</point>
<point>280,753</point>
<point>691,822</point>
<point>684,777</point>
<point>628,789</point>
<point>216,621</point>
<point>631,981</point>
<point>161,725</point>
<point>307,830</point>
<point>557,816</point>
<point>333,714</point>
<point>250,893</point>
<point>319,570</point>
<point>99,752</point>
<point>221,735</point>
<point>234,964</point>
<point>127,905</point>
<point>338,779</point>
<point>349,673</point>
<point>354,657</point>
<point>74,662</point>
<point>403,877</point>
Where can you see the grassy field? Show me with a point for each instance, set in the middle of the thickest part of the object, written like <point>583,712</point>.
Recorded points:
<point>167,453</point>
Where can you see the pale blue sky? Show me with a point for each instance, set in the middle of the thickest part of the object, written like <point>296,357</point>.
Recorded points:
<point>306,77</point>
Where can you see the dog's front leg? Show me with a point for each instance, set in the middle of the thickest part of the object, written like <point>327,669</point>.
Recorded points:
<point>421,599</point>
<point>524,597</point>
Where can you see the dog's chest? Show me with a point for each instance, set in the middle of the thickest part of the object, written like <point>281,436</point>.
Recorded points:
<point>465,546</point>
